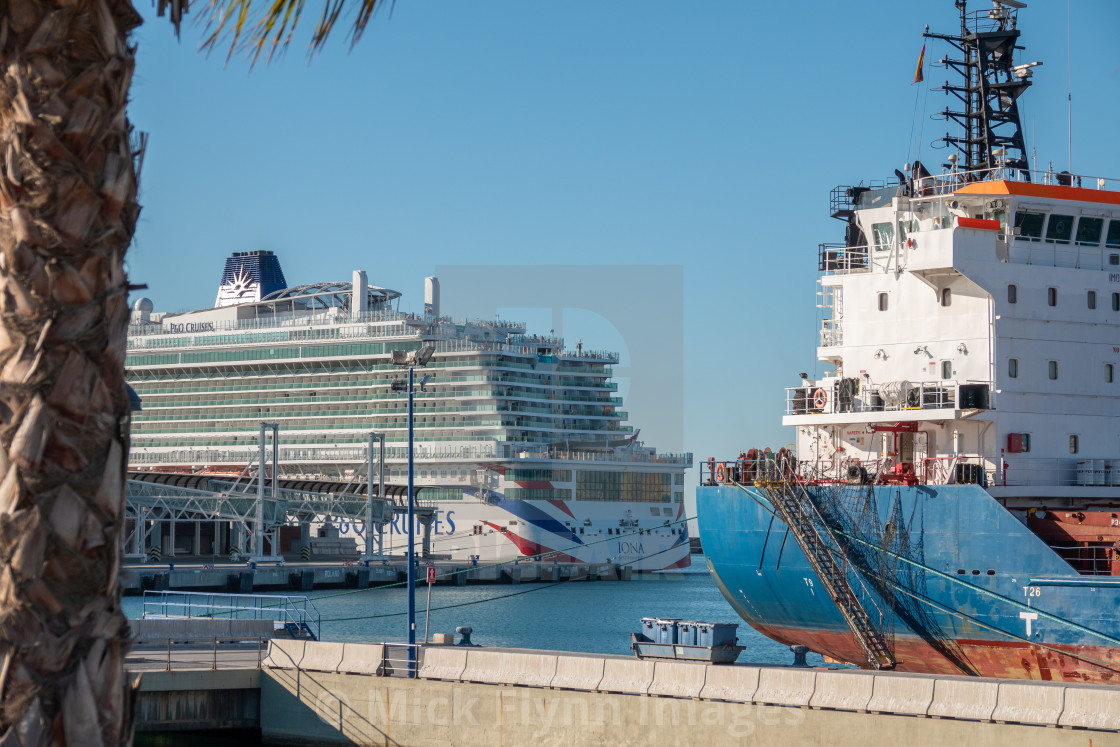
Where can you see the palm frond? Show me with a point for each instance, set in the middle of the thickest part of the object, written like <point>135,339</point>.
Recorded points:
<point>177,9</point>
<point>265,27</point>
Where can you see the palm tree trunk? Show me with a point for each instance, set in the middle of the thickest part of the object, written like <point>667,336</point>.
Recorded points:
<point>67,213</point>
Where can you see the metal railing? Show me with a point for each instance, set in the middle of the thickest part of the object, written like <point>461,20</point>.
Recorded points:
<point>198,653</point>
<point>1091,559</point>
<point>832,333</point>
<point>300,612</point>
<point>950,181</point>
<point>840,259</point>
<point>402,659</point>
<point>1029,250</point>
<point>807,400</point>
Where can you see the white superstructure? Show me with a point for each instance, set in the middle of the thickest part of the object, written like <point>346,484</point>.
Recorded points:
<point>975,336</point>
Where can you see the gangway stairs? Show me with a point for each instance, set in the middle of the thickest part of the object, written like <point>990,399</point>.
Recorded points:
<point>795,507</point>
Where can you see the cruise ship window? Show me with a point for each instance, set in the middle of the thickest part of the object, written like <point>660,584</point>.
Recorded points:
<point>1028,225</point>
<point>1059,228</point>
<point>1108,373</point>
<point>1012,293</point>
<point>946,369</point>
<point>1073,445</point>
<point>1052,370</point>
<point>882,302</point>
<point>946,297</point>
<point>1112,241</point>
<point>1089,230</point>
<point>1051,296</point>
<point>1091,299</point>
<point>1013,368</point>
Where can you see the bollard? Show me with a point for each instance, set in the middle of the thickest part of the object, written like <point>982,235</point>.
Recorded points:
<point>465,631</point>
<point>799,653</point>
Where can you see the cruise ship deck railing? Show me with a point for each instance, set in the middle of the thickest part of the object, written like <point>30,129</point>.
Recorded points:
<point>357,454</point>
<point>354,328</point>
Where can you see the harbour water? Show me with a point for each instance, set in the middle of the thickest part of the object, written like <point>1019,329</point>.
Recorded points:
<point>587,616</point>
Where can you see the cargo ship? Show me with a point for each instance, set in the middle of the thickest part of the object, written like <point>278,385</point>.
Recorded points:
<point>521,445</point>
<point>952,501</point>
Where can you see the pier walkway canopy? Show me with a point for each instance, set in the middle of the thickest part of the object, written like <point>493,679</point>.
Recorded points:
<point>230,508</point>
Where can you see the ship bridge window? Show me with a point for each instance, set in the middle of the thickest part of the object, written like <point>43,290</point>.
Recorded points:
<point>1001,216</point>
<point>1059,228</point>
<point>905,227</point>
<point>1028,225</point>
<point>1089,230</point>
<point>883,236</point>
<point>1112,241</point>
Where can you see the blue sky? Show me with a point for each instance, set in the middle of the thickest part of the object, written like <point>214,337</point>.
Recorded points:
<point>700,136</point>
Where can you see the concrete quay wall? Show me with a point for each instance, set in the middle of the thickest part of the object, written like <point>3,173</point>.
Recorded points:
<point>318,708</point>
<point>495,696</point>
<point>199,699</point>
<point>237,578</point>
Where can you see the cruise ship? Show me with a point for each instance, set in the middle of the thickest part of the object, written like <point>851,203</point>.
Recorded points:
<point>520,447</point>
<point>953,504</point>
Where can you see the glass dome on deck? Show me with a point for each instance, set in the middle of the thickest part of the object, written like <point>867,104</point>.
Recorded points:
<point>319,297</point>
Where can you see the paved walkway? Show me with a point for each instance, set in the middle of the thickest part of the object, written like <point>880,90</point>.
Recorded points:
<point>154,659</point>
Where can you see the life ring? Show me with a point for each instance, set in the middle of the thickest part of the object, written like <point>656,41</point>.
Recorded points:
<point>721,472</point>
<point>820,398</point>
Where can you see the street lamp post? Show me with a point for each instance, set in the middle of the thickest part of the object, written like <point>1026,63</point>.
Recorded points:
<point>411,536</point>
<point>412,359</point>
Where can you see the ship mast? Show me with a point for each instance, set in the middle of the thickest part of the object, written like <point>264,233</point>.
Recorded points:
<point>992,84</point>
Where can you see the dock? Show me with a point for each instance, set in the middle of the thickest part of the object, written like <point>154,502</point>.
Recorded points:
<point>323,693</point>
<point>243,578</point>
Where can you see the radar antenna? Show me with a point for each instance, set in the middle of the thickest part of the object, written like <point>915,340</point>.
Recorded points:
<point>990,92</point>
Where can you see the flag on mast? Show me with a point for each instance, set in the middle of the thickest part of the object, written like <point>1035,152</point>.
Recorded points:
<point>918,77</point>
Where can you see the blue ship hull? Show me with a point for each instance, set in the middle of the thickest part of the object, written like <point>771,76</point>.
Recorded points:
<point>964,587</point>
